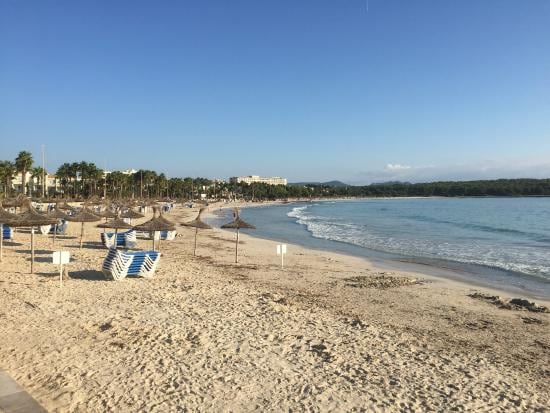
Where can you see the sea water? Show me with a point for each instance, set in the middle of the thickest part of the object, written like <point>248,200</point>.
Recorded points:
<point>500,241</point>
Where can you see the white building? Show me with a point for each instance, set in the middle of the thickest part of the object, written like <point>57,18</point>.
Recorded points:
<point>125,172</point>
<point>274,180</point>
<point>35,184</point>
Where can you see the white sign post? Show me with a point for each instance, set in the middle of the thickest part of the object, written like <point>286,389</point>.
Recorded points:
<point>281,250</point>
<point>60,258</point>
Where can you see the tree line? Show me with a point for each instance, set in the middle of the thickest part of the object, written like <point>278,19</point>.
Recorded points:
<point>80,180</point>
<point>499,187</point>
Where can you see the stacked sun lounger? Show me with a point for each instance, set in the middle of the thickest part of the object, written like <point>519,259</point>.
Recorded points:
<point>126,239</point>
<point>121,264</point>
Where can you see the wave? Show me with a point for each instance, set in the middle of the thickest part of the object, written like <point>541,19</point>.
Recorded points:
<point>480,227</point>
<point>519,259</point>
<point>297,212</point>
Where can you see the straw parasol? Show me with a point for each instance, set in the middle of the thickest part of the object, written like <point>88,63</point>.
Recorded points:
<point>197,223</point>
<point>238,224</point>
<point>57,214</point>
<point>84,215</point>
<point>165,220</point>
<point>5,218</point>
<point>93,200</point>
<point>154,225</point>
<point>108,213</point>
<point>115,224</point>
<point>15,202</point>
<point>63,205</point>
<point>131,214</point>
<point>31,218</point>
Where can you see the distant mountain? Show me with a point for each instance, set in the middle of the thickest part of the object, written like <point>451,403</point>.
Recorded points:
<point>332,184</point>
<point>390,183</point>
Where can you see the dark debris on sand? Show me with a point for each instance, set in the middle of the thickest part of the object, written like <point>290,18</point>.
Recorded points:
<point>511,303</point>
<point>381,281</point>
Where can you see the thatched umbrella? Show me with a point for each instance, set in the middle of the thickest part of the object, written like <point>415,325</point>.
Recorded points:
<point>165,220</point>
<point>237,223</point>
<point>63,205</point>
<point>31,218</point>
<point>106,214</point>
<point>5,218</point>
<point>197,223</point>
<point>57,214</point>
<point>94,200</point>
<point>115,224</point>
<point>154,225</point>
<point>84,215</point>
<point>131,214</point>
<point>15,202</point>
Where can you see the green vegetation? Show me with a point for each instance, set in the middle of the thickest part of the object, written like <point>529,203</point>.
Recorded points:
<point>500,187</point>
<point>83,179</point>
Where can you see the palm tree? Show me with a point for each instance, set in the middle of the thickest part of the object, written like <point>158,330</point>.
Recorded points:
<point>94,175</point>
<point>7,171</point>
<point>64,174</point>
<point>23,163</point>
<point>36,174</point>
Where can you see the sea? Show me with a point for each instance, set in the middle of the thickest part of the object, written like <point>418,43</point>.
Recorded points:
<point>501,243</point>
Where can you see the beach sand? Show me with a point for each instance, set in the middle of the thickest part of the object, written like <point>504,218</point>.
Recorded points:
<point>328,332</point>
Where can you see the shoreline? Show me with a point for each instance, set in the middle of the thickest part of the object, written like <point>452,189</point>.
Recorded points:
<point>437,269</point>
<point>327,332</point>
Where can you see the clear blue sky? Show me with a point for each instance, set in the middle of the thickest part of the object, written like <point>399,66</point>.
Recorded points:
<point>310,90</point>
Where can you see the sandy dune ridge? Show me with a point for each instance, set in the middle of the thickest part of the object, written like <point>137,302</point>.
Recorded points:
<point>329,332</point>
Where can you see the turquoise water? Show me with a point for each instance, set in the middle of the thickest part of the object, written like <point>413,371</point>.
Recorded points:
<point>498,240</point>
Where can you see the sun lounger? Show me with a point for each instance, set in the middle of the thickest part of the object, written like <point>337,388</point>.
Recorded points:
<point>45,229</point>
<point>167,235</point>
<point>61,228</point>
<point>120,264</point>
<point>7,232</point>
<point>126,239</point>
<point>164,235</point>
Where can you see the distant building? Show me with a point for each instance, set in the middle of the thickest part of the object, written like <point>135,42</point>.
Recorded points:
<point>34,184</point>
<point>274,180</point>
<point>125,172</point>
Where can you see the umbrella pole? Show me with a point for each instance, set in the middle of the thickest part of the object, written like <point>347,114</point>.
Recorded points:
<point>81,234</point>
<point>195,249</point>
<point>32,250</point>
<point>116,239</point>
<point>154,240</point>
<point>54,232</point>
<point>237,247</point>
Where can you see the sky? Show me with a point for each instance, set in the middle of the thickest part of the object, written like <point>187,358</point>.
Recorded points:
<point>355,90</point>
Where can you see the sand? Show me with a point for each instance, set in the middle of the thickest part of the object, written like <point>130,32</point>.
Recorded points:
<point>328,332</point>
